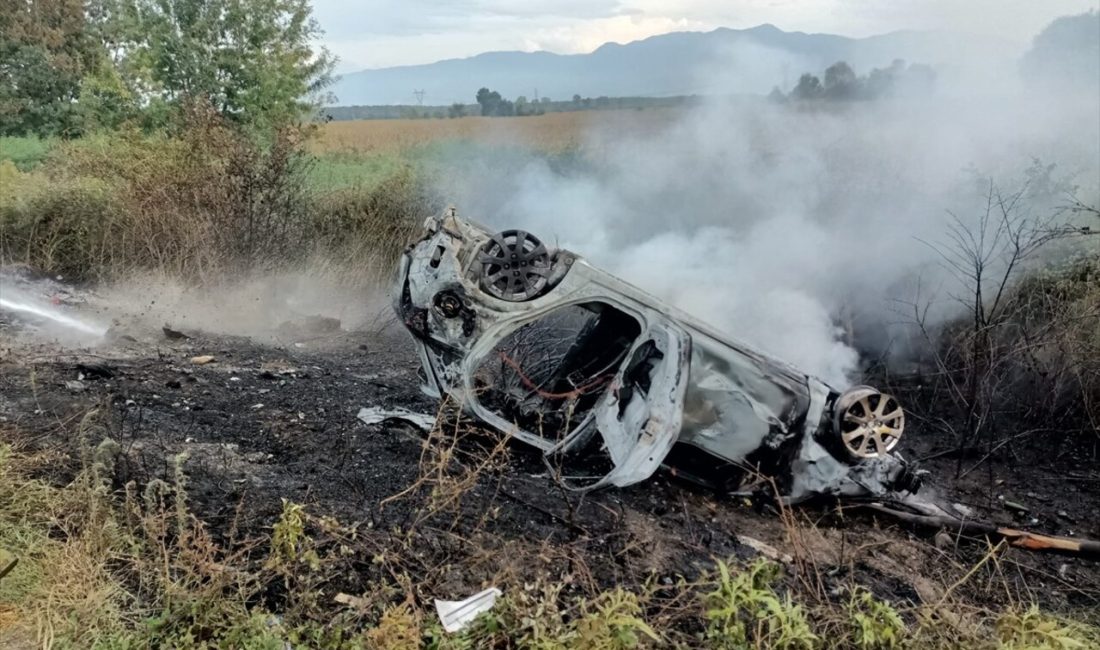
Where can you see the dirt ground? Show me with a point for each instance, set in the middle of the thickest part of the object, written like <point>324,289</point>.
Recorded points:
<point>278,420</point>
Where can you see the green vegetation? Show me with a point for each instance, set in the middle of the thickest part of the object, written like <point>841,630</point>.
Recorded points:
<point>25,153</point>
<point>70,68</point>
<point>168,583</point>
<point>202,201</point>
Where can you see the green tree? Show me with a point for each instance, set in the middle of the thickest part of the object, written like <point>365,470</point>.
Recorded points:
<point>253,60</point>
<point>46,49</point>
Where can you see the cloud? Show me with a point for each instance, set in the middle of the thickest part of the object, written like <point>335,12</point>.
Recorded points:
<point>586,36</point>
<point>381,33</point>
<point>425,18</point>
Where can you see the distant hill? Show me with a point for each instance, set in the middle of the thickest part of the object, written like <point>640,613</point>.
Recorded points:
<point>680,63</point>
<point>1066,53</point>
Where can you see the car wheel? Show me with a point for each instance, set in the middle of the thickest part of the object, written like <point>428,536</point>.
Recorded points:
<point>867,422</point>
<point>515,266</point>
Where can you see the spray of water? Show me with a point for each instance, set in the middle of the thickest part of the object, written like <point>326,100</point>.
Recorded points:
<point>53,316</point>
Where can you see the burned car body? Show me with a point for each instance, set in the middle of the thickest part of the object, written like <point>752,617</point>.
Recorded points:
<point>609,383</point>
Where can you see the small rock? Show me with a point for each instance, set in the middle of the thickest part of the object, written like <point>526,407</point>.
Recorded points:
<point>173,335</point>
<point>202,360</point>
<point>1012,505</point>
<point>944,540</point>
<point>74,385</point>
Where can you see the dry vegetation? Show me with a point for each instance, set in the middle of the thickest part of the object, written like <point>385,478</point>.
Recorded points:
<point>199,204</point>
<point>105,565</point>
<point>552,132</point>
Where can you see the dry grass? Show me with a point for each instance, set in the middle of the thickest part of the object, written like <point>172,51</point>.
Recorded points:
<point>133,568</point>
<point>552,132</point>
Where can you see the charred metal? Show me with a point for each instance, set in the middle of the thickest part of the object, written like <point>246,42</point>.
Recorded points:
<point>611,384</point>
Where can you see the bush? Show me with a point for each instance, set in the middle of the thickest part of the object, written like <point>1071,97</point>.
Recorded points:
<point>61,226</point>
<point>25,152</point>
<point>196,205</point>
<point>368,229</point>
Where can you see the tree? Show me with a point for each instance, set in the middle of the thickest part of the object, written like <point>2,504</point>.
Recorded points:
<point>809,87</point>
<point>253,60</point>
<point>457,109</point>
<point>522,106</point>
<point>489,100</point>
<point>493,105</point>
<point>46,49</point>
<point>841,82</point>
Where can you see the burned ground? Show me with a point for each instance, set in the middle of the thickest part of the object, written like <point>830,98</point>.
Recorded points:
<point>455,511</point>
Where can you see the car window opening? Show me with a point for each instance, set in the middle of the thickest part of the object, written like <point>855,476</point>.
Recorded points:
<point>547,375</point>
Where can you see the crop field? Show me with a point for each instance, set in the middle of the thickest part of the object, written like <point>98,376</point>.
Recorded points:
<point>552,132</point>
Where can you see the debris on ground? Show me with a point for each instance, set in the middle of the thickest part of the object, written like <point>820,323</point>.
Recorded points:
<point>377,414</point>
<point>457,614</point>
<point>173,335</point>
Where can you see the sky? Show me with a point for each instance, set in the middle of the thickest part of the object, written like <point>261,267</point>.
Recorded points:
<point>384,33</point>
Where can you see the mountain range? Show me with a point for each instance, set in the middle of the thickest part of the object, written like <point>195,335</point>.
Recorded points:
<point>722,61</point>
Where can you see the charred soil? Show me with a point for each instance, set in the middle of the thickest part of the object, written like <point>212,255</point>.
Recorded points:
<point>456,510</point>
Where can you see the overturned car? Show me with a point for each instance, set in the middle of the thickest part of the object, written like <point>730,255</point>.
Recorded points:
<point>610,384</point>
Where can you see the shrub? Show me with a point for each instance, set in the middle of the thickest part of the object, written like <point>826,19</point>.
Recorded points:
<point>875,624</point>
<point>25,153</point>
<point>368,228</point>
<point>196,205</point>
<point>744,610</point>
<point>61,226</point>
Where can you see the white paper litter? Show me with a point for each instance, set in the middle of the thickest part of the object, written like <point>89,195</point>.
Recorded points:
<point>457,614</point>
<point>376,414</point>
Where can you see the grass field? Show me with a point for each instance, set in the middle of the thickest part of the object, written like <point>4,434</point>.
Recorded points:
<point>362,153</point>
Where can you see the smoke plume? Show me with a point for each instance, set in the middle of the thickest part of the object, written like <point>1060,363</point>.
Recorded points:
<point>788,225</point>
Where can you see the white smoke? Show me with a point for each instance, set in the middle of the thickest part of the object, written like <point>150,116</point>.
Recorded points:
<point>773,222</point>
